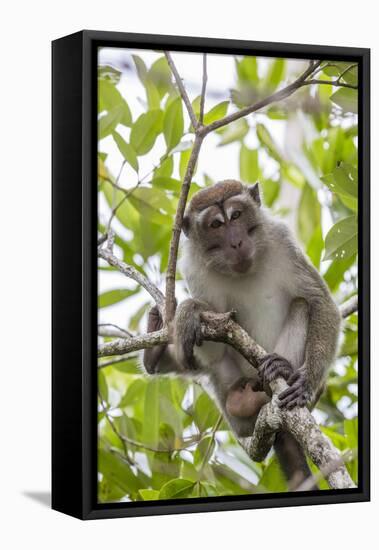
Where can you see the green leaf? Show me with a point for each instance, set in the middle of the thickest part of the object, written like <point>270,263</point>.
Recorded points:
<point>173,124</point>
<point>341,241</point>
<point>347,99</point>
<point>140,67</point>
<point>336,272</point>
<point>111,297</point>
<point>152,95</point>
<point>183,163</point>
<point>204,451</point>
<point>108,73</point>
<point>268,143</point>
<point>102,385</point>
<point>109,122</point>
<point>234,131</point>
<point>126,150</point>
<point>249,168</point>
<point>145,131</point>
<point>151,412</point>
<point>351,432</point>
<point>350,343</point>
<point>343,181</point>
<point>273,478</point>
<point>153,201</point>
<point>110,97</point>
<point>167,184</point>
<point>137,316</point>
<point>275,74</point>
<point>270,189</point>
<point>247,70</point>
<point>176,488</point>
<point>149,494</point>
<point>309,213</point>
<point>160,75</point>
<point>315,247</point>
<point>134,394</point>
<point>217,112</point>
<point>118,472</point>
<point>205,412</point>
<point>164,170</point>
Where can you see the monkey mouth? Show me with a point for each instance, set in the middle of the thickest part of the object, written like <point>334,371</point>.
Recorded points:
<point>242,266</point>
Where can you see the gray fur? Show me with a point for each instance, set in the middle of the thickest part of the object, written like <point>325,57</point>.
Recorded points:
<point>281,301</point>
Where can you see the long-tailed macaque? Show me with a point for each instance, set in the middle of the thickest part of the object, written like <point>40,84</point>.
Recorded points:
<point>238,257</point>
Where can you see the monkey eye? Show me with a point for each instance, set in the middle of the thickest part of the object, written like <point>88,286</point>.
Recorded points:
<point>216,223</point>
<point>236,214</point>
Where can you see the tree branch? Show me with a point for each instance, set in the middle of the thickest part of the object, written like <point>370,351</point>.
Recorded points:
<point>136,343</point>
<point>221,327</point>
<point>176,230</point>
<point>129,271</point>
<point>349,307</point>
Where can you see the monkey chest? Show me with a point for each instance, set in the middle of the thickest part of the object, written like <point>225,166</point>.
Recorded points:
<point>263,315</point>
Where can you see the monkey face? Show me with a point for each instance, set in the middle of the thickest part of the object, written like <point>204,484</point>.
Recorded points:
<point>229,233</point>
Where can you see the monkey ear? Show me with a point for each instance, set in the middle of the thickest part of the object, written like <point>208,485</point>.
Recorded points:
<point>254,193</point>
<point>186,225</point>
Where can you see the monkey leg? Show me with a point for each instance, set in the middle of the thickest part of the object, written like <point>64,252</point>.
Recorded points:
<point>243,401</point>
<point>292,460</point>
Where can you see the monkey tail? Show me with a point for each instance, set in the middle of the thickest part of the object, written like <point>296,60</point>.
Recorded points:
<point>292,460</point>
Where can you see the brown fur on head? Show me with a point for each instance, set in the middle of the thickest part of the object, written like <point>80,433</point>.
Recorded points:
<point>224,221</point>
<point>217,193</point>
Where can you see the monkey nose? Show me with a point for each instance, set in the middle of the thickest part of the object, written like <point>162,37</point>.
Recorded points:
<point>236,245</point>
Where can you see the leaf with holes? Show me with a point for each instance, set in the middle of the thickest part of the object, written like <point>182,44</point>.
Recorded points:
<point>342,240</point>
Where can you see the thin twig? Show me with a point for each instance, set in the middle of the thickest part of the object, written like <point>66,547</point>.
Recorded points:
<point>108,332</point>
<point>116,361</point>
<point>333,83</point>
<point>203,89</point>
<point>132,273</point>
<point>182,90</point>
<point>113,427</point>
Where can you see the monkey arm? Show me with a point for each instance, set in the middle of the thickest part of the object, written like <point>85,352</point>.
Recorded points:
<point>306,383</point>
<point>159,359</point>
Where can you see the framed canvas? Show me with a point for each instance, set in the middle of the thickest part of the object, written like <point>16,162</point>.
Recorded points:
<point>210,274</point>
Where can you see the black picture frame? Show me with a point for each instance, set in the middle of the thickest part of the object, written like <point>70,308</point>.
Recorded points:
<point>74,298</point>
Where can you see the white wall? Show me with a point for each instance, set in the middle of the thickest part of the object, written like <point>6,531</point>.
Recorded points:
<point>27,29</point>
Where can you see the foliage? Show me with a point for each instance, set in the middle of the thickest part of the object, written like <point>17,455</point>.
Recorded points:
<point>162,437</point>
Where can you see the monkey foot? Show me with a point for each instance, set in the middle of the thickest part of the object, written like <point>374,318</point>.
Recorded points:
<point>274,366</point>
<point>297,394</point>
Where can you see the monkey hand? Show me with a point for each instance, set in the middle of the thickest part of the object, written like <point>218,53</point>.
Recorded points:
<point>187,332</point>
<point>298,394</point>
<point>152,356</point>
